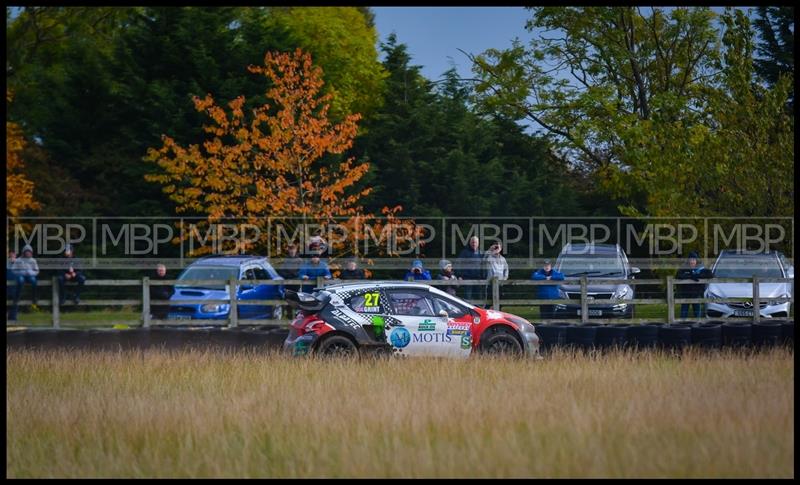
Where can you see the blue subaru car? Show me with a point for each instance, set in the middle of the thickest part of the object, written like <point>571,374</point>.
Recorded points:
<point>224,268</point>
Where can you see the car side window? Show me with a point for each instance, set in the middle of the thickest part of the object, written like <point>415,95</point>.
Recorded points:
<point>408,303</point>
<point>249,275</point>
<point>452,310</point>
<point>366,302</point>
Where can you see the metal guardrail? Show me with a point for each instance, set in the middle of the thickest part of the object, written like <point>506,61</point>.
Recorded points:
<point>493,285</point>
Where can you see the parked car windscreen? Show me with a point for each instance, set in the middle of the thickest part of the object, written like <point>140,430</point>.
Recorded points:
<point>209,273</point>
<point>737,267</point>
<point>591,264</point>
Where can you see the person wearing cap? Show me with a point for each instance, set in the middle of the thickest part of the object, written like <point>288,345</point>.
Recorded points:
<point>313,269</point>
<point>25,269</point>
<point>351,271</point>
<point>547,292</point>
<point>694,270</point>
<point>417,272</point>
<point>69,270</point>
<point>447,273</point>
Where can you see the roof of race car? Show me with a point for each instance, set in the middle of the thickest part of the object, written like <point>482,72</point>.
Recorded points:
<point>372,284</point>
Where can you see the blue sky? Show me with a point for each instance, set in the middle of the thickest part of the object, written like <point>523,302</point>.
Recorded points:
<point>434,34</point>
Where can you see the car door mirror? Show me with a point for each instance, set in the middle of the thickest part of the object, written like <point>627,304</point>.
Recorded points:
<point>443,313</point>
<point>790,272</point>
<point>635,270</point>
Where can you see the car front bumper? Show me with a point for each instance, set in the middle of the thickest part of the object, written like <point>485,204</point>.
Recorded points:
<point>530,341</point>
<point>616,310</point>
<point>721,310</point>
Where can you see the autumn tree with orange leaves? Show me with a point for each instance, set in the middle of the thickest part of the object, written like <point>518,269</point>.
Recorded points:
<point>268,163</point>
<point>19,189</point>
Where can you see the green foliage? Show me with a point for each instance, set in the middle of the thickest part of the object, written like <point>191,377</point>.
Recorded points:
<point>775,26</point>
<point>342,42</point>
<point>662,114</point>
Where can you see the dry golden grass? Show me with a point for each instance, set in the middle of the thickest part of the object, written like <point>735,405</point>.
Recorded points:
<point>211,414</point>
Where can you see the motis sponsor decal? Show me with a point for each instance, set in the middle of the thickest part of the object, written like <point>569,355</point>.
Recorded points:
<point>432,337</point>
<point>400,337</point>
<point>427,325</point>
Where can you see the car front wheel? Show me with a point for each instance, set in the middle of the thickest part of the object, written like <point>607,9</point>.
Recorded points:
<point>501,342</point>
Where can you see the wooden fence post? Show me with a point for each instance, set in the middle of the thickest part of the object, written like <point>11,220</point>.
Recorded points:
<point>146,302</point>
<point>54,304</point>
<point>495,293</point>
<point>234,313</point>
<point>320,282</point>
<point>756,301</point>
<point>584,302</point>
<point>670,301</point>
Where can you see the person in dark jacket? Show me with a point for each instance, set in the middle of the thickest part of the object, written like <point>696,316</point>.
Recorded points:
<point>159,292</point>
<point>351,271</point>
<point>70,270</point>
<point>470,267</point>
<point>25,270</point>
<point>695,271</point>
<point>312,269</point>
<point>290,266</point>
<point>547,292</point>
<point>448,274</point>
<point>417,272</point>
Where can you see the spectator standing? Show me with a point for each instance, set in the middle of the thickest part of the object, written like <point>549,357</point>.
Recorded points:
<point>495,264</point>
<point>70,270</point>
<point>417,272</point>
<point>25,270</point>
<point>352,271</point>
<point>11,280</point>
<point>313,269</point>
<point>694,270</point>
<point>448,274</point>
<point>470,262</point>
<point>547,292</point>
<point>160,292</point>
<point>289,268</point>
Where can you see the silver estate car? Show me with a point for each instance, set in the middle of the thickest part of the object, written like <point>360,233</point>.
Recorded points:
<point>773,297</point>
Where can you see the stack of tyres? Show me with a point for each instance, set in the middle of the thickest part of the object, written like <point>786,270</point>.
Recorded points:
<point>551,335</point>
<point>674,337</point>
<point>196,338</point>
<point>612,336</point>
<point>135,338</point>
<point>707,335</point>
<point>766,334</point>
<point>787,332</point>
<point>167,338</point>
<point>105,339</point>
<point>582,337</point>
<point>736,334</point>
<point>644,336</point>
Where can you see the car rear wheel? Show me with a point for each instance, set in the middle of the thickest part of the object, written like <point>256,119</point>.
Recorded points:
<point>501,342</point>
<point>337,346</point>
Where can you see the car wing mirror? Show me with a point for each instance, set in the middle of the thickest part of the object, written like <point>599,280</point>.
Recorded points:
<point>635,270</point>
<point>443,313</point>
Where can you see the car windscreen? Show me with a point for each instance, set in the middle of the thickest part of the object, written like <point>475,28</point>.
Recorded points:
<point>591,265</point>
<point>209,273</point>
<point>747,267</point>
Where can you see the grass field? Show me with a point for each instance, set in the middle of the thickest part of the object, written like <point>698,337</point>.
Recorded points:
<point>212,414</point>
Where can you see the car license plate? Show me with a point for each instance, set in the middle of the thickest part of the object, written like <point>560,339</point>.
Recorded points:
<point>177,316</point>
<point>593,313</point>
<point>743,313</point>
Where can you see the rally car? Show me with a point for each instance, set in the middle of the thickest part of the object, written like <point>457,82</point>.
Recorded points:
<point>401,318</point>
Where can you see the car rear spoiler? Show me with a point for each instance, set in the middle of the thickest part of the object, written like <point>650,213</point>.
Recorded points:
<point>306,301</point>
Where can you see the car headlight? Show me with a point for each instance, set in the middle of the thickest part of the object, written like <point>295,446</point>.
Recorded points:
<point>621,292</point>
<point>213,308</point>
<point>713,296</point>
<point>784,298</point>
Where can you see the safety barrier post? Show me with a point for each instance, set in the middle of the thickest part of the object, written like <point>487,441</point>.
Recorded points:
<point>54,304</point>
<point>146,302</point>
<point>234,313</point>
<point>495,293</point>
<point>670,301</point>
<point>756,301</point>
<point>584,302</point>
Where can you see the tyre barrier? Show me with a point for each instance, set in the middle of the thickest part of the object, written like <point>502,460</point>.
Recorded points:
<point>551,335</point>
<point>612,336</point>
<point>643,336</point>
<point>675,337</point>
<point>787,332</point>
<point>736,334</point>
<point>766,334</point>
<point>582,337</point>
<point>707,335</point>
